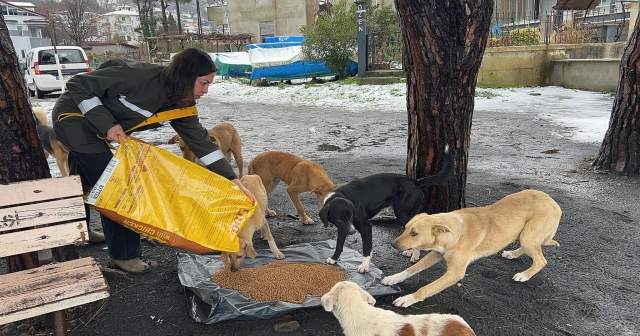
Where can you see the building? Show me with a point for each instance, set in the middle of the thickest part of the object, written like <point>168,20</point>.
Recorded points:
<point>120,25</point>
<point>25,27</point>
<point>268,18</point>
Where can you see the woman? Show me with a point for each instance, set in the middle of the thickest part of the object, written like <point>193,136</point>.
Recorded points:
<point>102,104</point>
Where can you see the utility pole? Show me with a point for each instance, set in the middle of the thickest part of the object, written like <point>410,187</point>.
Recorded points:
<point>52,26</point>
<point>199,18</point>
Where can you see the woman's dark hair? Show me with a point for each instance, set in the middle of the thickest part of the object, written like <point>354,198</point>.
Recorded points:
<point>181,73</point>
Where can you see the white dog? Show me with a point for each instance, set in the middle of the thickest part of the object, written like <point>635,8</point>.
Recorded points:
<point>353,307</point>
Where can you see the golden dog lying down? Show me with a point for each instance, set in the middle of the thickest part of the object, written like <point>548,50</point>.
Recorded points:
<point>465,235</point>
<point>353,307</point>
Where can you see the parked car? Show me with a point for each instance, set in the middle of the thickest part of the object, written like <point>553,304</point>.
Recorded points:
<point>41,73</point>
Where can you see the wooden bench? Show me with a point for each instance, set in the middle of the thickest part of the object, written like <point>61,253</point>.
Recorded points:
<point>38,216</point>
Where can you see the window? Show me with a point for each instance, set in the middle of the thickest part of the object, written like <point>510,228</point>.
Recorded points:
<point>20,32</point>
<point>5,11</point>
<point>13,11</point>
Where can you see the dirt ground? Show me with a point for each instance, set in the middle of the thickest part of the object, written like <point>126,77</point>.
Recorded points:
<point>587,288</point>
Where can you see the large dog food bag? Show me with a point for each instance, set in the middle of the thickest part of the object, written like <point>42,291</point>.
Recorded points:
<point>171,200</point>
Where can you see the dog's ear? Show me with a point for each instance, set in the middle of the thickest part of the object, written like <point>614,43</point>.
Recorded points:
<point>439,227</point>
<point>327,301</point>
<point>370,300</point>
<point>324,215</point>
<point>173,139</point>
<point>250,251</point>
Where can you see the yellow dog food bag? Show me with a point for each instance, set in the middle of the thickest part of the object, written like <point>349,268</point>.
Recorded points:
<point>171,200</point>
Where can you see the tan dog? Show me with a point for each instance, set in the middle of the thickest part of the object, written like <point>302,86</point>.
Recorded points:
<point>299,174</point>
<point>256,222</point>
<point>227,138</point>
<point>465,235</point>
<point>353,307</point>
<point>50,143</point>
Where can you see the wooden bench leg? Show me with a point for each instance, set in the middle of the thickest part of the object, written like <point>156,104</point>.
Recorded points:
<point>59,322</point>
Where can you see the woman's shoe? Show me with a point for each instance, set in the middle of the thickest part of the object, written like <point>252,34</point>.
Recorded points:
<point>96,237</point>
<point>134,265</point>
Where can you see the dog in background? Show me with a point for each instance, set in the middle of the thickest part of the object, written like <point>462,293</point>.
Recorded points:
<point>299,174</point>
<point>465,235</point>
<point>354,309</point>
<point>256,222</point>
<point>50,143</point>
<point>350,206</point>
<point>227,138</point>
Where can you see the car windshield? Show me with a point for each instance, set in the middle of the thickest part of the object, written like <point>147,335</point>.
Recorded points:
<point>64,55</point>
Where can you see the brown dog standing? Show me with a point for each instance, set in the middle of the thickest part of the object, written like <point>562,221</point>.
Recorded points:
<point>256,222</point>
<point>465,235</point>
<point>353,307</point>
<point>50,143</point>
<point>227,138</point>
<point>299,174</point>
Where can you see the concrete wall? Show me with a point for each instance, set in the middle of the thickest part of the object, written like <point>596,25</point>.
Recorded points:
<point>536,65</point>
<point>245,16</point>
<point>587,74</point>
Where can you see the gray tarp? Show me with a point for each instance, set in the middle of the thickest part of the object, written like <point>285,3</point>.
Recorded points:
<point>208,303</point>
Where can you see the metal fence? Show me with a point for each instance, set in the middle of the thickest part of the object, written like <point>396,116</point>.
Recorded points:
<point>560,27</point>
<point>384,51</point>
<point>601,25</point>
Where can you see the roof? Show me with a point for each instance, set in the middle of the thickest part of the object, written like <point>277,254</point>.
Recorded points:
<point>576,4</point>
<point>14,4</point>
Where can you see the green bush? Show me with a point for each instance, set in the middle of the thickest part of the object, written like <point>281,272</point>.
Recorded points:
<point>525,36</point>
<point>333,37</point>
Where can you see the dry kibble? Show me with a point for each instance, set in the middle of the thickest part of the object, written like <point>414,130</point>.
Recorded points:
<point>280,281</point>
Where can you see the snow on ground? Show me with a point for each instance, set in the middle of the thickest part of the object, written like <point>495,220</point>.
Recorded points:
<point>584,114</point>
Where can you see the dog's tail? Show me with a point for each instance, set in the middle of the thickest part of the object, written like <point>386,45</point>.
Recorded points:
<point>41,116</point>
<point>445,174</point>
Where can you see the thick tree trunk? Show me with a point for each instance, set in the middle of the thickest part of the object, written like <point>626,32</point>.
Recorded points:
<point>620,150</point>
<point>21,155</point>
<point>443,45</point>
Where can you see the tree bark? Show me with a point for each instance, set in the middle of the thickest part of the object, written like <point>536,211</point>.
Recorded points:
<point>620,150</point>
<point>443,45</point>
<point>21,154</point>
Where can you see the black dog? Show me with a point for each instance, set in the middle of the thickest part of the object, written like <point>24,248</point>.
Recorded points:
<point>350,206</point>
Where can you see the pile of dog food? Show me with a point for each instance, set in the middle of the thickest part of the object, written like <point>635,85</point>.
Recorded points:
<point>280,281</point>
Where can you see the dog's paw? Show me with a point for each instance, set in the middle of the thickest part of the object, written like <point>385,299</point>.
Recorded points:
<point>509,255</point>
<point>271,213</point>
<point>404,301</point>
<point>330,261</point>
<point>278,255</point>
<point>407,253</point>
<point>392,279</point>
<point>363,268</point>
<point>521,277</point>
<point>307,221</point>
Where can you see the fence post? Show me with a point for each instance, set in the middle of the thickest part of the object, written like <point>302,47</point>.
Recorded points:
<point>361,17</point>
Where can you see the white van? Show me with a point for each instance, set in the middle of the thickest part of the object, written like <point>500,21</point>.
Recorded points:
<point>41,74</point>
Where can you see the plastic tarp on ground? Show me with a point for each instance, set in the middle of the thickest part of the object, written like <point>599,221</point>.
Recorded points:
<point>232,63</point>
<point>208,303</point>
<point>274,64</point>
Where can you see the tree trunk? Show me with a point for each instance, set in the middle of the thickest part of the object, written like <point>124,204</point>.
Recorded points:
<point>620,150</point>
<point>443,45</point>
<point>21,155</point>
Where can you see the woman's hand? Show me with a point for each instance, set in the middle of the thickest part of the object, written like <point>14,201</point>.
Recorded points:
<point>244,190</point>
<point>115,131</point>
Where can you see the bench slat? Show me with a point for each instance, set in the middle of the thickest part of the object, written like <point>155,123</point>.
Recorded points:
<point>56,211</point>
<point>50,288</point>
<point>39,190</point>
<point>43,238</point>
